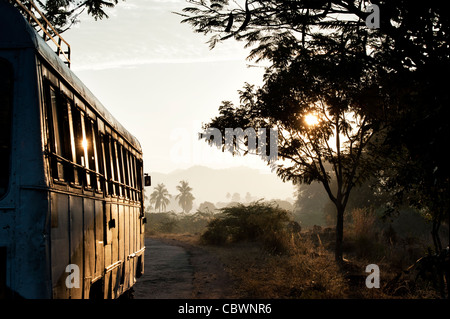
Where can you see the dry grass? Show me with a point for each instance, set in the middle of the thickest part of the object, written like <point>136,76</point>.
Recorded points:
<point>307,270</point>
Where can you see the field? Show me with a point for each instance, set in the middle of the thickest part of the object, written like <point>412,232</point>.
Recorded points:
<point>267,257</point>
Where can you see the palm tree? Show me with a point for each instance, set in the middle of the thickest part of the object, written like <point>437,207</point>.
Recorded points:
<point>160,197</point>
<point>185,197</point>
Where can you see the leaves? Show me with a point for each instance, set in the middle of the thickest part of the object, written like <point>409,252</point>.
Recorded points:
<point>185,197</point>
<point>382,94</point>
<point>62,14</point>
<point>160,197</point>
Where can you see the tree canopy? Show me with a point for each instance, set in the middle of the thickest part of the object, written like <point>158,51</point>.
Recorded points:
<point>62,14</point>
<point>380,93</point>
<point>160,197</point>
<point>185,197</point>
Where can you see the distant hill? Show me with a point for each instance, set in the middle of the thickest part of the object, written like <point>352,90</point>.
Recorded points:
<point>213,184</point>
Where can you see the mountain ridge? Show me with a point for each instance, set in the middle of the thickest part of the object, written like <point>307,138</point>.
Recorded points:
<point>210,184</point>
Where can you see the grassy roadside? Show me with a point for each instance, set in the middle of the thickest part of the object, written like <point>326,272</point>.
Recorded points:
<point>307,271</point>
<point>268,256</point>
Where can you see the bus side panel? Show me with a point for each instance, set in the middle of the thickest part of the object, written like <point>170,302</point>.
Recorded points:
<point>76,243</point>
<point>99,240</point>
<point>59,244</point>
<point>127,247</point>
<point>141,244</point>
<point>32,272</point>
<point>133,245</point>
<point>89,244</point>
<point>122,240</point>
<point>115,273</point>
<point>108,250</point>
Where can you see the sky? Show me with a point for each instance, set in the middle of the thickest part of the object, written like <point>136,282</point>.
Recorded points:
<point>161,80</point>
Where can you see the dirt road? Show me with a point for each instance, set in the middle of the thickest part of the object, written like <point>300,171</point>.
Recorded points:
<point>177,270</point>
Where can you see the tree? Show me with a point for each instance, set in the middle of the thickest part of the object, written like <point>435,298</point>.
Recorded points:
<point>185,197</point>
<point>236,197</point>
<point>309,204</point>
<point>160,197</point>
<point>385,76</point>
<point>314,101</point>
<point>207,207</point>
<point>408,35</point>
<point>62,14</point>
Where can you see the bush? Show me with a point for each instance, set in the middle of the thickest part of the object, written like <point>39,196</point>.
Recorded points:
<point>258,221</point>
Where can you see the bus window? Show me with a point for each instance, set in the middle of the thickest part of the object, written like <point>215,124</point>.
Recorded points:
<point>6,97</point>
<point>106,150</point>
<point>84,144</point>
<point>55,141</point>
<point>133,175</point>
<point>95,154</point>
<point>140,173</point>
<point>117,168</point>
<point>91,150</point>
<point>65,135</point>
<point>74,170</point>
<point>130,172</point>
<point>77,141</point>
<point>58,119</point>
<point>126,171</point>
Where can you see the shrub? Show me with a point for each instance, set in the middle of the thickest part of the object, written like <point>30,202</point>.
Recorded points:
<point>264,222</point>
<point>362,234</point>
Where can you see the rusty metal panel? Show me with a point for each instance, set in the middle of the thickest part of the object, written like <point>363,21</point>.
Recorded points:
<point>122,257</point>
<point>59,244</point>
<point>108,249</point>
<point>6,247</point>
<point>134,248</point>
<point>76,240</point>
<point>107,288</point>
<point>108,226</point>
<point>99,240</point>
<point>114,233</point>
<point>89,244</point>
<point>121,233</point>
<point>115,279</point>
<point>133,230</point>
<point>127,247</point>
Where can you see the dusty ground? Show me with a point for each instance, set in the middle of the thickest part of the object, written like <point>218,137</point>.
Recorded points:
<point>177,268</point>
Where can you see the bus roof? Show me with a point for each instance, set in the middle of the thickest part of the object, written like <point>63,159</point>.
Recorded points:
<point>16,32</point>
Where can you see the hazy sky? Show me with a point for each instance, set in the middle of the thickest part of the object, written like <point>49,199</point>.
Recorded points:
<point>161,80</point>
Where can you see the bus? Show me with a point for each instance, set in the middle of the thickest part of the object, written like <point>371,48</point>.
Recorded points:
<point>71,176</point>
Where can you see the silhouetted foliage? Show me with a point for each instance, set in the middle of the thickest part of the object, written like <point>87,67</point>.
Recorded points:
<point>160,197</point>
<point>393,78</point>
<point>185,197</point>
<point>259,221</point>
<point>62,14</point>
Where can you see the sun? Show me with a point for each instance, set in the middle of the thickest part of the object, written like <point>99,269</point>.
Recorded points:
<point>311,119</point>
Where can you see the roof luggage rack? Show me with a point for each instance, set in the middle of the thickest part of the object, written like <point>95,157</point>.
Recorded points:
<point>40,23</point>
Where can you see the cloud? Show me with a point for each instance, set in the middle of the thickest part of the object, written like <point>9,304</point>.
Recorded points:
<point>143,32</point>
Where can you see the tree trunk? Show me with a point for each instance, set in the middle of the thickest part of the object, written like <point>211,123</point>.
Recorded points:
<point>435,232</point>
<point>339,233</point>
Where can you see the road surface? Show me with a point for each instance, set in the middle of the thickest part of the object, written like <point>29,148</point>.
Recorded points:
<point>168,273</point>
<point>176,270</point>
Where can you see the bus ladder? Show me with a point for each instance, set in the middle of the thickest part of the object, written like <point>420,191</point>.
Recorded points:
<point>29,11</point>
